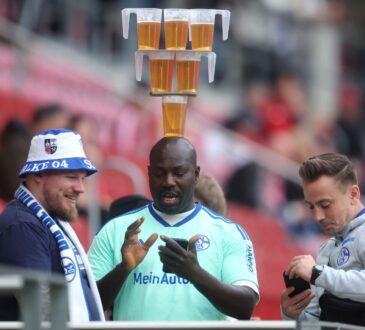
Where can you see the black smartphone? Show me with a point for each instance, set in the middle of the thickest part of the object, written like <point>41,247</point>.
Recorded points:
<point>297,282</point>
<point>184,243</point>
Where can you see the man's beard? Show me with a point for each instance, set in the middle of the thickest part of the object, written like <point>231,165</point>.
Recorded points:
<point>68,215</point>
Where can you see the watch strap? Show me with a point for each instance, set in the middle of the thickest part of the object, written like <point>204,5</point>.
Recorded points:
<point>316,271</point>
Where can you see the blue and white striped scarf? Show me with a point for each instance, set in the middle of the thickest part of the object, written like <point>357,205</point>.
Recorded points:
<point>66,240</point>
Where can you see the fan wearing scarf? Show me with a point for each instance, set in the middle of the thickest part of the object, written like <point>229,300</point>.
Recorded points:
<point>35,231</point>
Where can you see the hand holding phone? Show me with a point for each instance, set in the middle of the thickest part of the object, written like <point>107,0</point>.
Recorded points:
<point>297,282</point>
<point>184,243</point>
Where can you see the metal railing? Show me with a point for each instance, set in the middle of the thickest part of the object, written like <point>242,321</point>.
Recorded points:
<point>27,286</point>
<point>201,325</point>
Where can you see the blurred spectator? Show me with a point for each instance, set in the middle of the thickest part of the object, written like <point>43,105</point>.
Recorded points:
<point>125,204</point>
<point>209,192</point>
<point>270,117</point>
<point>322,128</point>
<point>247,121</point>
<point>15,141</point>
<point>87,128</point>
<point>259,187</point>
<point>349,131</point>
<point>284,198</point>
<point>285,107</point>
<point>52,20</point>
<point>243,186</point>
<point>48,117</point>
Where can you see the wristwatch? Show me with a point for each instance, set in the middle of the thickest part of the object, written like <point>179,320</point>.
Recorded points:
<point>316,271</point>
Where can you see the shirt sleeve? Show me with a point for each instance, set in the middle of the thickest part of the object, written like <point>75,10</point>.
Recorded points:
<point>101,252</point>
<point>238,258</point>
<point>26,245</point>
<point>345,283</point>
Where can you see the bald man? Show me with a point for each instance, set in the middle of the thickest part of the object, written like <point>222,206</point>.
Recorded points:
<point>147,275</point>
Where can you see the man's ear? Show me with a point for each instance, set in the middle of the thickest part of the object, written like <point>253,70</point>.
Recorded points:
<point>355,192</point>
<point>197,173</point>
<point>38,176</point>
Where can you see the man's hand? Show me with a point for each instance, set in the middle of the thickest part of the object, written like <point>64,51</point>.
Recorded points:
<point>133,252</point>
<point>293,306</point>
<point>179,261</point>
<point>301,266</point>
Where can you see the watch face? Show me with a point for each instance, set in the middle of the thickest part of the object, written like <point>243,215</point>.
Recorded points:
<point>319,268</point>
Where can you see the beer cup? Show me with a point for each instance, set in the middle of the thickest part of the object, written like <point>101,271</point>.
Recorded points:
<point>188,70</point>
<point>176,28</point>
<point>201,27</point>
<point>174,114</point>
<point>148,26</point>
<point>161,63</point>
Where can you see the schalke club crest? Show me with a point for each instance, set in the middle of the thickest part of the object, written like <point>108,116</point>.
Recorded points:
<point>343,257</point>
<point>69,268</point>
<point>202,243</point>
<point>50,146</point>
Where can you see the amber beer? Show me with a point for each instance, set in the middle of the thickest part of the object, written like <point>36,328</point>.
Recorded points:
<point>161,74</point>
<point>176,34</point>
<point>187,76</point>
<point>173,115</point>
<point>148,35</point>
<point>202,36</point>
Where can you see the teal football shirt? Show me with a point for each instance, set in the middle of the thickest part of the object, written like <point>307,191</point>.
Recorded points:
<point>224,250</point>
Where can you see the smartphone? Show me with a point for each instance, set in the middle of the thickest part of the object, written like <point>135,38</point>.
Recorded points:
<point>184,243</point>
<point>297,282</point>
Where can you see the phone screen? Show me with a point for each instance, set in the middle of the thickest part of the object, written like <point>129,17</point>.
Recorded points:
<point>184,243</point>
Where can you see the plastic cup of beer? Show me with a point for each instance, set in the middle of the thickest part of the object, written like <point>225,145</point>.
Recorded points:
<point>188,70</point>
<point>148,26</point>
<point>176,23</point>
<point>161,63</point>
<point>201,27</point>
<point>174,114</point>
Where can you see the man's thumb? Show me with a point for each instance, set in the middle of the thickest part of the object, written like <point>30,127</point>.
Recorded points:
<point>192,242</point>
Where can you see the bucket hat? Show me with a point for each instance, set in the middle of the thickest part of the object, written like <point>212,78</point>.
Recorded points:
<point>56,149</point>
